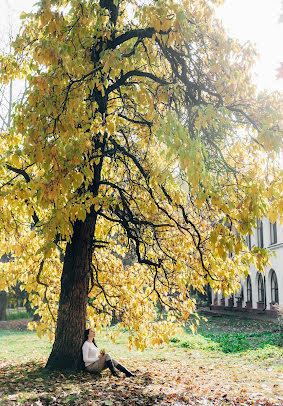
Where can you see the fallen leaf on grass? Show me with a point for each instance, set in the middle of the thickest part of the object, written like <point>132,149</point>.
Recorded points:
<point>168,384</point>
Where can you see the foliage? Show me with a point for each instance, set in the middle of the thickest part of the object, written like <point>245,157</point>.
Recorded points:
<point>232,343</point>
<point>174,340</point>
<point>141,119</point>
<point>233,335</point>
<point>242,342</point>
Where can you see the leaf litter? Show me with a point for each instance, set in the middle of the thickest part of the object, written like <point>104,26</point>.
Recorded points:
<point>156,382</point>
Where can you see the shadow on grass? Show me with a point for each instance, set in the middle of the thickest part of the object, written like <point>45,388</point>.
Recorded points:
<point>30,382</point>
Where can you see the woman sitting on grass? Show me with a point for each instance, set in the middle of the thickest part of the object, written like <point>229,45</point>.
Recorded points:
<point>95,360</point>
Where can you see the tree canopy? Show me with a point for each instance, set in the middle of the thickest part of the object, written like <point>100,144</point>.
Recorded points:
<point>140,158</point>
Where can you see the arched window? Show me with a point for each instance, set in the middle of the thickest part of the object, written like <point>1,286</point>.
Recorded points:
<point>274,288</point>
<point>240,295</point>
<point>242,292</point>
<point>249,289</point>
<point>231,300</point>
<point>259,233</point>
<point>273,233</point>
<point>248,241</point>
<point>260,289</point>
<point>215,301</point>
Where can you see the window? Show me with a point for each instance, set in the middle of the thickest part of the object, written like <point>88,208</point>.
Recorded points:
<point>215,298</point>
<point>248,241</point>
<point>259,233</point>
<point>274,288</point>
<point>273,233</point>
<point>249,289</point>
<point>240,295</point>
<point>260,289</point>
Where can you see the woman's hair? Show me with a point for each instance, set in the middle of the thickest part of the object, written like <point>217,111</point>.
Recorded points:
<point>86,336</point>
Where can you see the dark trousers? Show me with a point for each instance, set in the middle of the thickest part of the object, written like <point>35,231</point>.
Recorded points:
<point>100,364</point>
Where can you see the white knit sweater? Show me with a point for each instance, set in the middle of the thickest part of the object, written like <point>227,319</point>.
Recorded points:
<point>90,353</point>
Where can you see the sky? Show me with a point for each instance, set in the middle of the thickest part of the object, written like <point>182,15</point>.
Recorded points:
<point>248,20</point>
<point>258,22</point>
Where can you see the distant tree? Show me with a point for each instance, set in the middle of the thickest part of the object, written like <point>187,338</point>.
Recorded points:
<point>8,96</point>
<point>141,133</point>
<point>3,295</point>
<point>3,305</point>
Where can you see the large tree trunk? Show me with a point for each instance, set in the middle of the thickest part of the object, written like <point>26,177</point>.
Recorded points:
<point>71,322</point>
<point>3,305</point>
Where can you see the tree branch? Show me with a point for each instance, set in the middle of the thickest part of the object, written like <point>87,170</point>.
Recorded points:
<point>126,76</point>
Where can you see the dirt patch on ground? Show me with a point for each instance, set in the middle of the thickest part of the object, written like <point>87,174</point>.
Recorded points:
<point>14,325</point>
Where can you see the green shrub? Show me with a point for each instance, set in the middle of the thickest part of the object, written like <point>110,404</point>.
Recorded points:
<point>186,344</point>
<point>238,342</point>
<point>18,316</point>
<point>198,342</point>
<point>174,340</point>
<point>234,343</point>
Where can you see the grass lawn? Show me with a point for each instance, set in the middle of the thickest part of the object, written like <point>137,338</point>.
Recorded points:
<point>230,361</point>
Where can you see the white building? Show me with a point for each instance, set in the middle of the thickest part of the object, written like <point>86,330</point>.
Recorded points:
<point>259,291</point>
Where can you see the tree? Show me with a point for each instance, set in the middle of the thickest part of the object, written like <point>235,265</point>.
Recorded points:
<point>3,305</point>
<point>141,135</point>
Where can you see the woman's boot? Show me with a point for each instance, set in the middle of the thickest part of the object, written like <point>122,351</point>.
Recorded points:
<point>110,365</point>
<point>124,370</point>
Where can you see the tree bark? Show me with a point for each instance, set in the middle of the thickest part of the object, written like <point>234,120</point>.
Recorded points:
<point>71,322</point>
<point>3,305</point>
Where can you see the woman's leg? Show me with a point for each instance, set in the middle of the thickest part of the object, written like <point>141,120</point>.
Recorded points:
<point>123,369</point>
<point>102,363</point>
<point>110,364</point>
<point>115,363</point>
<point>99,365</point>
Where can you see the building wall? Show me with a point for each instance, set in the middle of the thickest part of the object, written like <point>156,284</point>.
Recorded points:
<point>276,265</point>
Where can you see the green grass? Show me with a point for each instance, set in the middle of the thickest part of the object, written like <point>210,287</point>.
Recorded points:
<point>237,335</point>
<point>18,316</point>
<point>225,324</point>
<point>22,345</point>
<point>249,339</point>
